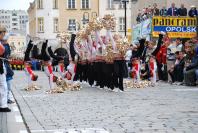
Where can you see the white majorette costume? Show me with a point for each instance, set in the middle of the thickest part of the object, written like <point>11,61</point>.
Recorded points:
<point>59,59</point>
<point>108,22</point>
<point>71,68</point>
<point>92,56</point>
<point>153,70</point>
<point>119,62</point>
<point>136,70</point>
<point>48,65</point>
<point>27,67</point>
<point>81,49</point>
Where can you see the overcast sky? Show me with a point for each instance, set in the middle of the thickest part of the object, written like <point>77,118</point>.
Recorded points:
<point>15,4</point>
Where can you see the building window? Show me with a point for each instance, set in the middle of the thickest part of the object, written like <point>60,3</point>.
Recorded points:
<point>14,14</point>
<point>72,25</point>
<point>121,24</point>
<point>55,24</point>
<point>40,25</point>
<point>40,4</point>
<point>121,5</point>
<point>14,19</point>
<point>55,4</point>
<point>85,4</point>
<point>14,24</point>
<point>71,4</point>
<point>110,4</point>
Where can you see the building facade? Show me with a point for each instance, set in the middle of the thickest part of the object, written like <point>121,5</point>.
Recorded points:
<point>14,20</point>
<point>48,17</point>
<point>44,19</point>
<point>75,13</point>
<point>117,9</point>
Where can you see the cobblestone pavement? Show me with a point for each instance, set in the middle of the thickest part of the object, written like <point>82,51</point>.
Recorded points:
<point>164,108</point>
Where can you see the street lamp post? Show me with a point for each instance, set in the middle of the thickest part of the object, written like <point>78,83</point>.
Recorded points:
<point>125,15</point>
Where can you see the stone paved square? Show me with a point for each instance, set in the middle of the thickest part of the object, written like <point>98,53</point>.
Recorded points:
<point>163,109</point>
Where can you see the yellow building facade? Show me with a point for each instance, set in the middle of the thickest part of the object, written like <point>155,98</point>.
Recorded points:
<point>73,14</point>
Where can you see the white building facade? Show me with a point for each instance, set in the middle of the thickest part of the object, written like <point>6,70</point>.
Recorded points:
<point>43,22</point>
<point>117,9</point>
<point>14,20</point>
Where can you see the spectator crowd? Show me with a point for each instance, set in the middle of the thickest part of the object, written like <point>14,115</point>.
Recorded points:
<point>177,61</point>
<point>150,11</point>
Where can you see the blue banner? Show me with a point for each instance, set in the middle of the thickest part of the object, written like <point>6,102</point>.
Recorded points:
<point>174,29</point>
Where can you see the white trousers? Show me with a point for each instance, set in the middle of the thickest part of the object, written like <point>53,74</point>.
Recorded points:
<point>29,77</point>
<point>154,78</point>
<point>61,71</point>
<point>49,73</point>
<point>3,91</point>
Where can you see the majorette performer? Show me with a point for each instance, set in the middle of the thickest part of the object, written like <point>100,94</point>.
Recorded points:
<point>99,54</point>
<point>99,63</point>
<point>27,65</point>
<point>153,70</point>
<point>58,60</point>
<point>109,67</point>
<point>119,62</point>
<point>135,70</point>
<point>48,65</point>
<point>91,59</point>
<point>81,48</point>
<point>71,68</point>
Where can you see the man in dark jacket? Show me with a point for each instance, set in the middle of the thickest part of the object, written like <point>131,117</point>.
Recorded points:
<point>172,11</point>
<point>182,11</point>
<point>189,73</point>
<point>177,74</point>
<point>193,12</point>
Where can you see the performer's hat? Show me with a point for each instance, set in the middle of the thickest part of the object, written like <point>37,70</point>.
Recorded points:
<point>61,52</point>
<point>54,56</point>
